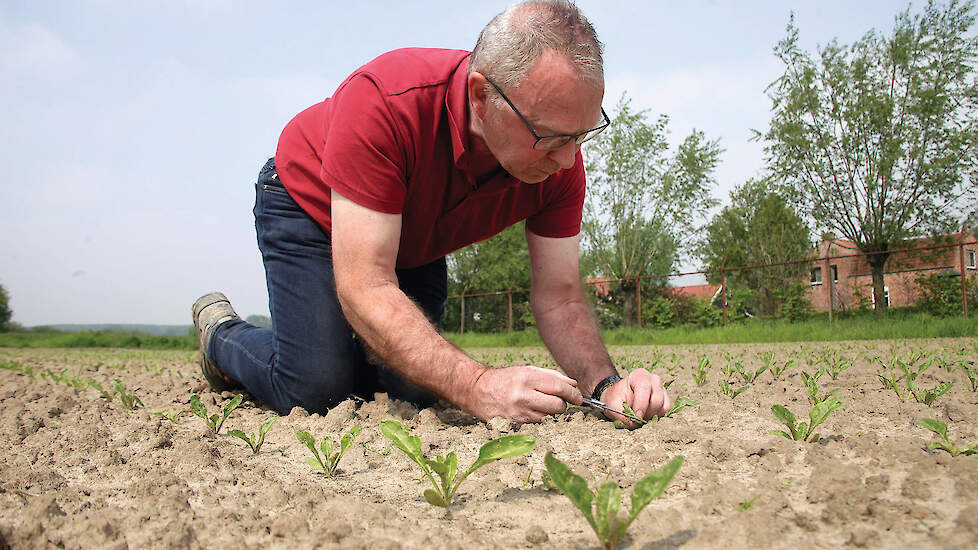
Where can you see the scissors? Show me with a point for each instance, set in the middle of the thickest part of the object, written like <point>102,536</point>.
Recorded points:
<point>597,404</point>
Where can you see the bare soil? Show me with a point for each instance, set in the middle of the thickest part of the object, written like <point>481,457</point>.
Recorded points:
<point>78,471</point>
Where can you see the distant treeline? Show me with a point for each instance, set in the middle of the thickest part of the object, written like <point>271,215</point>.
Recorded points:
<point>96,339</point>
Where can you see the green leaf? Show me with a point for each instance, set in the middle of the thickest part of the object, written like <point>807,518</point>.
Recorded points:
<point>197,407</point>
<point>507,446</point>
<point>402,438</point>
<point>266,426</point>
<point>310,443</point>
<point>680,404</point>
<point>233,404</point>
<point>315,463</point>
<point>434,498</point>
<point>572,485</point>
<point>784,415</point>
<point>326,446</point>
<point>347,440</point>
<point>239,434</point>
<point>936,426</point>
<point>782,433</point>
<point>438,466</point>
<point>820,412</point>
<point>606,509</point>
<point>653,485</point>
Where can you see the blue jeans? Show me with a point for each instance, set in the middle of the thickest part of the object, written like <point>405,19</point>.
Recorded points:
<point>311,357</point>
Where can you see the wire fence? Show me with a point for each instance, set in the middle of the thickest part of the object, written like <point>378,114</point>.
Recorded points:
<point>940,278</point>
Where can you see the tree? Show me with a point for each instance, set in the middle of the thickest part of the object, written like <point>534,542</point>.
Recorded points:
<point>499,263</point>
<point>263,321</point>
<point>5,311</point>
<point>878,140</point>
<point>758,227</point>
<point>643,204</point>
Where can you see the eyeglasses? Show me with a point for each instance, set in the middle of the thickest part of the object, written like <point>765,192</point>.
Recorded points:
<point>547,143</point>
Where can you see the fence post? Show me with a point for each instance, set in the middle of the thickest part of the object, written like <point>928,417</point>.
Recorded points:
<point>829,280</point>
<point>462,296</point>
<point>509,296</point>
<point>638,300</point>
<point>964,272</point>
<point>723,289</point>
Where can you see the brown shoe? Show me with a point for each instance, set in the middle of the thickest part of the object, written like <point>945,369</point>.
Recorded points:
<point>209,311</point>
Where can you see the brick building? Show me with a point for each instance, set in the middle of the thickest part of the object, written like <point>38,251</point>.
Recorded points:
<point>847,274</point>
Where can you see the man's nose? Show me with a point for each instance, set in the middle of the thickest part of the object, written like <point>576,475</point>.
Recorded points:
<point>565,154</point>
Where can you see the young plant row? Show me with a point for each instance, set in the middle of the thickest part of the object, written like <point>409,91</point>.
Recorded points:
<point>127,398</point>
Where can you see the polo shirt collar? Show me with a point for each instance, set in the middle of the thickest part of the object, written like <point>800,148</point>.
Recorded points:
<point>457,103</point>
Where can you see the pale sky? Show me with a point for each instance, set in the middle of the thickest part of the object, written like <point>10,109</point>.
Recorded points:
<point>133,131</point>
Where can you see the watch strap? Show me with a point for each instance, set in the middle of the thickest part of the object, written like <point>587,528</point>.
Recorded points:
<point>603,385</point>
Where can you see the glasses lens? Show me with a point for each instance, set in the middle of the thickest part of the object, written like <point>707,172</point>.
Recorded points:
<point>551,142</point>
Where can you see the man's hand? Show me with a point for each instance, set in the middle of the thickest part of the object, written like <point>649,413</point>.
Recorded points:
<point>644,393</point>
<point>521,394</point>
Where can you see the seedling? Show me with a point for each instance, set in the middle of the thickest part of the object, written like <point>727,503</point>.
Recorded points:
<point>811,385</point>
<point>972,372</point>
<point>446,467</point>
<point>778,369</point>
<point>680,404</point>
<point>128,398</point>
<point>255,442</point>
<point>746,505</point>
<point>172,415</point>
<point>890,380</point>
<point>332,459</point>
<point>836,363</point>
<point>802,431</point>
<point>699,376</point>
<point>214,421</point>
<point>748,376</point>
<point>725,389</point>
<point>602,510</point>
<point>106,394</point>
<point>940,429</point>
<point>927,397</point>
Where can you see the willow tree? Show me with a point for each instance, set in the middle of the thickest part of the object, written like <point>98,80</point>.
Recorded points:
<point>643,201</point>
<point>878,139</point>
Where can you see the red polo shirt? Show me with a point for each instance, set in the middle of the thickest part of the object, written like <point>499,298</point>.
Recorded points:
<point>394,138</point>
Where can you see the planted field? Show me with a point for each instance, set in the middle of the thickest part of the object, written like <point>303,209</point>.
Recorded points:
<point>787,446</point>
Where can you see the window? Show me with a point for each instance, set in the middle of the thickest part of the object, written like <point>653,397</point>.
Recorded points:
<point>969,258</point>
<point>816,278</point>
<point>835,273</point>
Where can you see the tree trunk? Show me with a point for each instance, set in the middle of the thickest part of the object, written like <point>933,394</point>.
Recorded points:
<point>628,309</point>
<point>877,263</point>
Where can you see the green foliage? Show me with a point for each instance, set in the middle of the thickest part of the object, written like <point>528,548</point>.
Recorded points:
<point>678,405</point>
<point>758,227</point>
<point>214,421</point>
<point>702,368</point>
<point>328,461</point>
<point>255,442</point>
<point>642,203</point>
<point>811,385</point>
<point>128,398</point>
<point>877,140</point>
<point>795,306</point>
<point>725,389</point>
<point>446,467</point>
<point>835,363</point>
<point>802,431</point>
<point>939,294</point>
<point>499,263</point>
<point>940,428</point>
<point>172,415</point>
<point>928,396</point>
<point>5,312</point>
<point>602,507</point>
<point>749,376</point>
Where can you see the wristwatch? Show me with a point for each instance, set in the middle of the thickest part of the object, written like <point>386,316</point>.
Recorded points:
<point>603,385</point>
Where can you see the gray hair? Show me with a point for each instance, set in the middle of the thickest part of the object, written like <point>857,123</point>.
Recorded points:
<point>513,41</point>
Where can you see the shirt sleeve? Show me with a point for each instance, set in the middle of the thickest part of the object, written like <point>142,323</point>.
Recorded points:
<point>564,205</point>
<point>363,156</point>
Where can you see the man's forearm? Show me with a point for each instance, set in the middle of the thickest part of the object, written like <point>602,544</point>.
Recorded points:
<point>407,342</point>
<point>570,332</point>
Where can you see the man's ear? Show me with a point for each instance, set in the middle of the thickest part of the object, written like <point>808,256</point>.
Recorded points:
<point>477,94</point>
